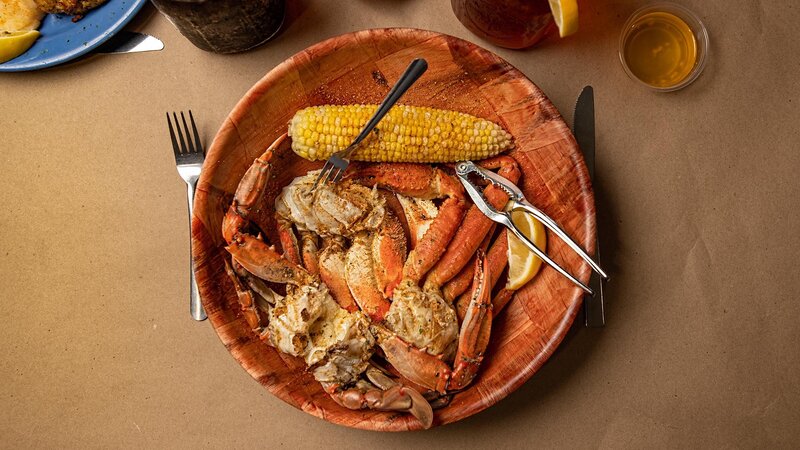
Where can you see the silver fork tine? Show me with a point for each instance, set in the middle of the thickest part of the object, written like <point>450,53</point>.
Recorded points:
<point>186,131</point>
<point>322,173</point>
<point>180,135</point>
<point>332,173</point>
<point>175,147</point>
<point>198,145</point>
<point>338,177</point>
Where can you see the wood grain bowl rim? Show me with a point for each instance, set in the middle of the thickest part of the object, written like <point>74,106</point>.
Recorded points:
<point>514,381</point>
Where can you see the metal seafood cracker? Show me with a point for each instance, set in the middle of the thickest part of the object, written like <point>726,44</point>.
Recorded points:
<point>517,202</point>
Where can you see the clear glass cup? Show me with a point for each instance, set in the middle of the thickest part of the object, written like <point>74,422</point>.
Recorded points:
<point>696,27</point>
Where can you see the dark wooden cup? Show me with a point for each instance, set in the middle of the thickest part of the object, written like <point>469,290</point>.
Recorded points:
<point>225,26</point>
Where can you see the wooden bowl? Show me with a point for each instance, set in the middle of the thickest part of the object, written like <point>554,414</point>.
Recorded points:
<point>360,68</point>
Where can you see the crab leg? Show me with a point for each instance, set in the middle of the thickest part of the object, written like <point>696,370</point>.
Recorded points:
<point>421,407</point>
<point>257,285</point>
<point>264,261</point>
<point>360,276</point>
<point>246,300</point>
<point>393,204</point>
<point>497,257</point>
<point>460,283</point>
<point>395,398</point>
<point>310,251</point>
<point>475,329</point>
<point>475,226</point>
<point>422,181</point>
<point>501,299</point>
<point>291,249</point>
<point>248,195</point>
<point>332,272</point>
<point>419,214</point>
<point>430,371</point>
<point>374,265</point>
<point>250,251</point>
<point>389,248</point>
<point>255,298</point>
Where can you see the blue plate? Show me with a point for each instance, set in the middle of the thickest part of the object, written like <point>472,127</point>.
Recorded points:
<point>62,40</point>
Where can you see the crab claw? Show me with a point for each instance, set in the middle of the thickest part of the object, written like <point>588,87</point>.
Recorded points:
<point>475,329</point>
<point>430,371</point>
<point>396,398</point>
<point>264,261</point>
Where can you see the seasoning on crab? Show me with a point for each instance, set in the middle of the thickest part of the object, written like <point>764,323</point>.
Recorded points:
<point>331,335</point>
<point>406,134</point>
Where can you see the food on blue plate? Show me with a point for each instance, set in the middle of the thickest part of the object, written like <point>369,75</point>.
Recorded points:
<point>16,43</point>
<point>75,8</point>
<point>19,15</point>
<point>19,20</point>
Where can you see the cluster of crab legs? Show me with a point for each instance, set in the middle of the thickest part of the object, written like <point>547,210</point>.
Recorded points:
<point>446,277</point>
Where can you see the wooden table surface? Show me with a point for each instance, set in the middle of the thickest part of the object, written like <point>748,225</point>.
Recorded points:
<point>698,217</point>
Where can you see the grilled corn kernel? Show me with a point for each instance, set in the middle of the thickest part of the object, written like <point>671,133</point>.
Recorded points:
<point>406,134</point>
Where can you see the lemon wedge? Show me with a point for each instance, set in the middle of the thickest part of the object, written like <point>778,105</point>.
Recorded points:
<point>523,264</point>
<point>16,43</point>
<point>565,13</point>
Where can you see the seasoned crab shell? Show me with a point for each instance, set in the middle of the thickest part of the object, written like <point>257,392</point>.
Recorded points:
<point>424,319</point>
<point>420,214</point>
<point>71,7</point>
<point>308,323</point>
<point>341,209</point>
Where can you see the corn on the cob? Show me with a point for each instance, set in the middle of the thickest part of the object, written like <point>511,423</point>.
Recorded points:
<point>406,134</point>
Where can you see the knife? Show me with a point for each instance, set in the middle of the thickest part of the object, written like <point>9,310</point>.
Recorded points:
<point>583,129</point>
<point>130,42</point>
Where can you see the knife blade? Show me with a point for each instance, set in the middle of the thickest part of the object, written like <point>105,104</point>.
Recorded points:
<point>584,131</point>
<point>130,42</point>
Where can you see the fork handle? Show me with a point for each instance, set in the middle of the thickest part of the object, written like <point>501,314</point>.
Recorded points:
<point>195,307</point>
<point>412,73</point>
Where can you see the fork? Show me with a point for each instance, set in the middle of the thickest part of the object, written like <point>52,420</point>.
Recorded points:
<point>335,166</point>
<point>189,159</point>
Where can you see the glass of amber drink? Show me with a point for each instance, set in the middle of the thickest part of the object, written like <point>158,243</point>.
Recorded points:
<point>664,46</point>
<point>513,24</point>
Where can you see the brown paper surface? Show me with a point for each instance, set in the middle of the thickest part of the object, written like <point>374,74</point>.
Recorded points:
<point>699,227</point>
